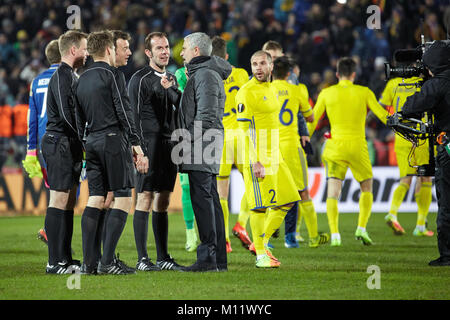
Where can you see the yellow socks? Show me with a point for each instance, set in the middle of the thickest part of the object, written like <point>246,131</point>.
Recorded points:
<point>365,208</point>
<point>423,199</point>
<point>226,216</point>
<point>244,212</point>
<point>333,215</point>
<point>307,207</point>
<point>257,225</point>
<point>273,221</point>
<point>299,219</point>
<point>397,198</point>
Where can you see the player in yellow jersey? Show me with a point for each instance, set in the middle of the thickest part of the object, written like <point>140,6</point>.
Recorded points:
<point>293,217</point>
<point>268,181</point>
<point>237,79</point>
<point>293,99</point>
<point>395,97</point>
<point>346,106</point>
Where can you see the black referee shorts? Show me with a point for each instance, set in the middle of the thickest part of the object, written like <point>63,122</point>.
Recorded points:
<point>63,157</point>
<point>162,172</point>
<point>109,163</point>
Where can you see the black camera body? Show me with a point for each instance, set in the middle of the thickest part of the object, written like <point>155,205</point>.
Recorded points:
<point>410,63</point>
<point>410,128</point>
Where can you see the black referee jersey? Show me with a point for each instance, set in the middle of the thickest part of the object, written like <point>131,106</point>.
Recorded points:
<point>154,107</point>
<point>103,103</point>
<point>60,101</point>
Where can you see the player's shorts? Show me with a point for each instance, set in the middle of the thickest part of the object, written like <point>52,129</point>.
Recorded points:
<point>419,157</point>
<point>274,190</point>
<point>162,172</point>
<point>109,163</point>
<point>341,154</point>
<point>295,158</point>
<point>231,154</point>
<point>63,157</point>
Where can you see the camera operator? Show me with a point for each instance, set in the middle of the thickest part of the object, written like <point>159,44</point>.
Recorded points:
<point>435,97</point>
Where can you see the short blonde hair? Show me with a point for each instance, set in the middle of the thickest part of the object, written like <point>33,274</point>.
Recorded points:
<point>52,52</point>
<point>69,39</point>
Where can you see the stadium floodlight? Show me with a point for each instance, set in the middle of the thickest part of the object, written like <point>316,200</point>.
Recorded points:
<point>342,1</point>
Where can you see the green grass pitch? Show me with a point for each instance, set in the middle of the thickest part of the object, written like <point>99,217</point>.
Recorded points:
<point>322,273</point>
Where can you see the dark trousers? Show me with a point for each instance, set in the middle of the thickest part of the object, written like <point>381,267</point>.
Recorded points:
<point>209,217</point>
<point>290,221</point>
<point>443,197</point>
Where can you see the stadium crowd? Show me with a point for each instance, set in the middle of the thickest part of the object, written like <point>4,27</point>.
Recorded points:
<point>314,33</point>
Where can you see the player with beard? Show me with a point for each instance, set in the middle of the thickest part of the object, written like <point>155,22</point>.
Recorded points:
<point>62,152</point>
<point>268,180</point>
<point>154,109</point>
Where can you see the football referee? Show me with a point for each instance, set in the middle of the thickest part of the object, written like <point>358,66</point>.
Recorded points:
<point>103,103</point>
<point>154,109</point>
<point>62,152</point>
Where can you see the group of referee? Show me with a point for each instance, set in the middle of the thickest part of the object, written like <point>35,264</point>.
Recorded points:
<point>95,121</point>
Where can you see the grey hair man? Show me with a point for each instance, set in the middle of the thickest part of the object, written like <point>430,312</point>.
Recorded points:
<point>200,113</point>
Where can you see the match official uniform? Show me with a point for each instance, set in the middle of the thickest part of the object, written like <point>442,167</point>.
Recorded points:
<point>61,149</point>
<point>62,153</point>
<point>103,103</point>
<point>154,113</point>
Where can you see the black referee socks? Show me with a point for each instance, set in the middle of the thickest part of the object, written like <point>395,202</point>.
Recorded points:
<point>160,224</point>
<point>90,235</point>
<point>140,227</point>
<point>67,231</point>
<point>114,227</point>
<point>54,220</point>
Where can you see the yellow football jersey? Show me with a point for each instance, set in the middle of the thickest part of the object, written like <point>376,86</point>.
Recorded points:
<point>257,111</point>
<point>233,83</point>
<point>346,106</point>
<point>395,96</point>
<point>292,99</point>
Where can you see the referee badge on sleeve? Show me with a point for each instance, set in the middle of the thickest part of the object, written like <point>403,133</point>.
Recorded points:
<point>240,107</point>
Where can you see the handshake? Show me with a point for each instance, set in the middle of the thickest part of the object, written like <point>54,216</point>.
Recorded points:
<point>31,164</point>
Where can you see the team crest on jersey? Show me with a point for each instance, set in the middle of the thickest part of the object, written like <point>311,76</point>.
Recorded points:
<point>240,107</point>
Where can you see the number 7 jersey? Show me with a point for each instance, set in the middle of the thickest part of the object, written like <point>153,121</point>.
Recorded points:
<point>37,112</point>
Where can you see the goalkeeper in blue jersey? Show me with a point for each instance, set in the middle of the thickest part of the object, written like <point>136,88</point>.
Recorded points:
<point>34,163</point>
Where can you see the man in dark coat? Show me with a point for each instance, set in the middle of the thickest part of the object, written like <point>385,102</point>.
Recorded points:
<point>435,97</point>
<point>200,118</point>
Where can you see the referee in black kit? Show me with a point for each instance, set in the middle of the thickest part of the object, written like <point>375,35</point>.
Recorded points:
<point>62,152</point>
<point>103,103</point>
<point>154,110</point>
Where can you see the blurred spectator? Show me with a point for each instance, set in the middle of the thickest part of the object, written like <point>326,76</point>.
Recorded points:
<point>314,33</point>
<point>5,132</point>
<point>19,131</point>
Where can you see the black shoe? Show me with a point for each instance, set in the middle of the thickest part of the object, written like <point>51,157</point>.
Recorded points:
<point>200,267</point>
<point>89,270</point>
<point>222,268</point>
<point>439,262</point>
<point>62,268</point>
<point>115,267</point>
<point>168,264</point>
<point>130,269</point>
<point>145,264</point>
